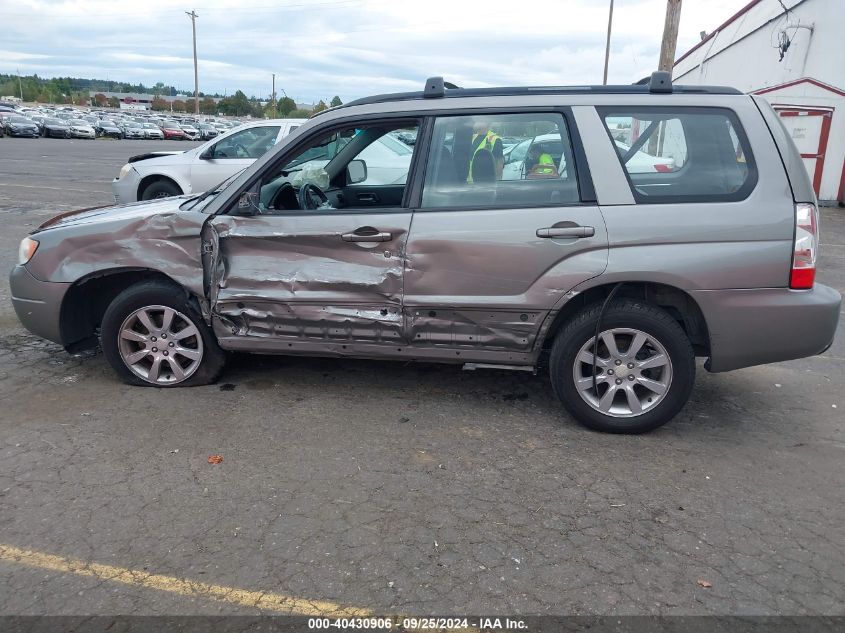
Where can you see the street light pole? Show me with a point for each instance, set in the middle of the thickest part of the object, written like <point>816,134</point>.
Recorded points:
<point>274,95</point>
<point>607,46</point>
<point>193,15</point>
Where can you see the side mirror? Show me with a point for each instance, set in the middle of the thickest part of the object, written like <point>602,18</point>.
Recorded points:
<point>356,171</point>
<point>248,203</point>
<point>207,154</point>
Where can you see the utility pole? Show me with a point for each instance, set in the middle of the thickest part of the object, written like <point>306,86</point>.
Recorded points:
<point>607,47</point>
<point>274,95</point>
<point>670,35</point>
<point>193,15</point>
<point>20,83</point>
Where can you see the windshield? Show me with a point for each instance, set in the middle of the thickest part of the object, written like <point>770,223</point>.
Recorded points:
<point>19,119</point>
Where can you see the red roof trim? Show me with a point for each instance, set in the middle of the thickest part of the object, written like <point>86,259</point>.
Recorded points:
<point>803,80</point>
<point>739,13</point>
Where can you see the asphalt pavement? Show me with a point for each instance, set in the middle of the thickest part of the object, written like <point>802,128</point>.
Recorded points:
<point>383,487</point>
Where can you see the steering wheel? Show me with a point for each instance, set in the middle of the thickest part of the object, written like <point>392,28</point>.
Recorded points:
<point>239,148</point>
<point>311,197</point>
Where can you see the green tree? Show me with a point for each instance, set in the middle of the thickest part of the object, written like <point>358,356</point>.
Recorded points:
<point>179,105</point>
<point>114,102</point>
<point>320,107</point>
<point>299,113</point>
<point>159,105</point>
<point>335,101</point>
<point>236,105</point>
<point>208,106</point>
<point>285,106</point>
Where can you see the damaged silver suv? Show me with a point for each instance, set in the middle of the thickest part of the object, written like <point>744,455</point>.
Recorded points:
<point>611,234</point>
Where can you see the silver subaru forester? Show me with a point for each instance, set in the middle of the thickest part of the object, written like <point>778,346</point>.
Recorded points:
<point>609,233</point>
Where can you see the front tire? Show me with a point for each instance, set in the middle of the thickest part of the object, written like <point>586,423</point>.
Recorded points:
<point>153,336</point>
<point>160,189</point>
<point>645,367</point>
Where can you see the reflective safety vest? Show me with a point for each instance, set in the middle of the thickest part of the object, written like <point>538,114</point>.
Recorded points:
<point>545,165</point>
<point>487,144</point>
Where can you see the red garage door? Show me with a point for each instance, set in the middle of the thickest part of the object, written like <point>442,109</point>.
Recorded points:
<point>809,129</point>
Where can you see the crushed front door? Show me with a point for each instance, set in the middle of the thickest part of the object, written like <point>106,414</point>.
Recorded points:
<point>326,283</point>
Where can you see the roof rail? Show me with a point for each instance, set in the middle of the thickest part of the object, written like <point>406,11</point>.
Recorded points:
<point>435,88</point>
<point>660,82</point>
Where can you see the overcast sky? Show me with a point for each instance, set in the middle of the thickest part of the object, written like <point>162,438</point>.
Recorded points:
<point>352,48</point>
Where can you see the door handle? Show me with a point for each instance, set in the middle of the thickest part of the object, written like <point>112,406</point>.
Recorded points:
<point>367,197</point>
<point>367,234</point>
<point>567,231</point>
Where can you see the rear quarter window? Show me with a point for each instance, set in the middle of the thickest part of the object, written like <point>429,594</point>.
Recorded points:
<point>682,154</point>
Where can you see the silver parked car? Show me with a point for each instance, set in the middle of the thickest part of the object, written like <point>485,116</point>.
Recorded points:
<point>613,277</point>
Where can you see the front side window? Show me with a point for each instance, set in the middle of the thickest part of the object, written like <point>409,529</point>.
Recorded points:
<point>682,154</point>
<point>470,166</point>
<point>357,166</point>
<point>249,143</point>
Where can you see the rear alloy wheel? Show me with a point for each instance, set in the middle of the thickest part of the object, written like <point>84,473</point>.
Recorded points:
<point>153,336</point>
<point>644,367</point>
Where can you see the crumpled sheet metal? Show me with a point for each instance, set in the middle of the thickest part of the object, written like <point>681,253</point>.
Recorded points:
<point>490,329</point>
<point>168,242</point>
<point>375,324</point>
<point>259,263</point>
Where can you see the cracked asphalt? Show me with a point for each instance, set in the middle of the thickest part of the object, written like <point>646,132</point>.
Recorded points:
<point>418,489</point>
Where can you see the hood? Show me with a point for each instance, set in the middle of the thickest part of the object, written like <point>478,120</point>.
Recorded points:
<point>161,157</point>
<point>111,213</point>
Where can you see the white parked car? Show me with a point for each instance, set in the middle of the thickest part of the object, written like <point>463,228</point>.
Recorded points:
<point>81,129</point>
<point>516,157</point>
<point>162,174</point>
<point>191,132</point>
<point>152,131</point>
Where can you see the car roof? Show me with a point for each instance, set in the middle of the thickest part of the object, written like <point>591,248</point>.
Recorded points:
<point>435,88</point>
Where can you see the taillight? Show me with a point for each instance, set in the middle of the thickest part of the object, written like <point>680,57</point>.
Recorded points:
<point>806,248</point>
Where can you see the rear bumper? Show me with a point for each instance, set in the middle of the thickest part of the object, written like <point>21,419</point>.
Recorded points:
<point>38,304</point>
<point>767,325</point>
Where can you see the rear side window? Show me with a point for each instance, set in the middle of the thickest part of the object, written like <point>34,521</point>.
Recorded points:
<point>500,161</point>
<point>682,154</point>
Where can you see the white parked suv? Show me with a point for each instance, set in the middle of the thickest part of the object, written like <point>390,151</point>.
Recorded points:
<point>162,174</point>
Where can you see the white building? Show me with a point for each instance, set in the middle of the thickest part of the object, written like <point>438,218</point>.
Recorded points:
<point>795,58</point>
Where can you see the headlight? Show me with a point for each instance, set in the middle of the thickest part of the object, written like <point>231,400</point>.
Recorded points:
<point>124,170</point>
<point>26,250</point>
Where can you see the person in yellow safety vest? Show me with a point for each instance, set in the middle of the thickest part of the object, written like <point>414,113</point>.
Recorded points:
<point>484,139</point>
<point>544,167</point>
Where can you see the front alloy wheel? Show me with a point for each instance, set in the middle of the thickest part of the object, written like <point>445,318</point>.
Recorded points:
<point>160,345</point>
<point>153,335</point>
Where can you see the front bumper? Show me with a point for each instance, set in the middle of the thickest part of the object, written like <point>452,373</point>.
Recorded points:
<point>125,189</point>
<point>767,325</point>
<point>38,304</point>
<point>24,133</point>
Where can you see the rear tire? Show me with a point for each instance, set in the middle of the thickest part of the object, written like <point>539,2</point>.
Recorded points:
<point>160,189</point>
<point>634,393</point>
<point>153,336</point>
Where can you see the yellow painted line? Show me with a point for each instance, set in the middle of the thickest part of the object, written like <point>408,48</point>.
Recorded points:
<point>138,578</point>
